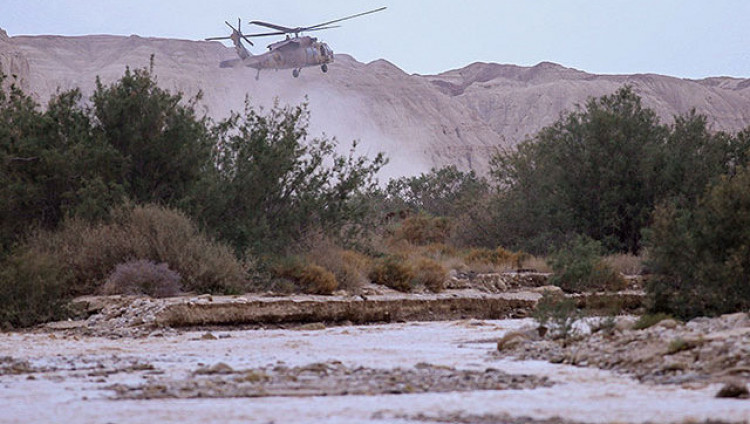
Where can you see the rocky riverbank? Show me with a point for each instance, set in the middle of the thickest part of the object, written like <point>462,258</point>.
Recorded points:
<point>694,353</point>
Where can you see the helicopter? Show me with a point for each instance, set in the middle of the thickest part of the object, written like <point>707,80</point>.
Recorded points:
<point>294,52</point>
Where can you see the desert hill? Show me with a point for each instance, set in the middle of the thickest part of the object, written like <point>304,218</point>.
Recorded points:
<point>457,117</point>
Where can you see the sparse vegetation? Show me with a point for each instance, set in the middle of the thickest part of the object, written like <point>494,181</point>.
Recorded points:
<point>143,277</point>
<point>91,251</point>
<point>579,267</point>
<point>556,316</point>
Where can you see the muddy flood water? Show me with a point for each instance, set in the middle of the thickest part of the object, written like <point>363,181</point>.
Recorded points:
<point>416,372</point>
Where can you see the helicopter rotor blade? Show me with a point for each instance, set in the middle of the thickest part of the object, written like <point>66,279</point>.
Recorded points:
<point>344,19</point>
<point>268,34</point>
<point>283,29</point>
<point>217,38</point>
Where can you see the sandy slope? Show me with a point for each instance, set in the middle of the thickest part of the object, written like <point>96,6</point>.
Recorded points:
<point>459,117</point>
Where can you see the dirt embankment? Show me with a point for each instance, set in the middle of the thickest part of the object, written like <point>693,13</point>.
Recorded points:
<point>484,296</point>
<point>701,351</point>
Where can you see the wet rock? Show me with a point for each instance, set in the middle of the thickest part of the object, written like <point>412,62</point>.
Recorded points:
<point>219,368</point>
<point>313,326</point>
<point>511,340</point>
<point>734,389</point>
<point>668,323</point>
<point>551,290</point>
<point>208,336</point>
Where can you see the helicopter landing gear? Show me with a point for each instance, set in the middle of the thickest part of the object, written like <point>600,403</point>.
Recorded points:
<point>295,73</point>
<point>324,67</point>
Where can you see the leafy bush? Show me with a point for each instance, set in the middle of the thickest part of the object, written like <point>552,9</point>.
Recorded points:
<point>579,267</point>
<point>32,289</point>
<point>272,185</point>
<point>92,251</point>
<point>143,277</point>
<point>431,274</point>
<point>443,192</point>
<point>556,316</point>
<point>600,169</point>
<point>393,271</point>
<point>700,252</point>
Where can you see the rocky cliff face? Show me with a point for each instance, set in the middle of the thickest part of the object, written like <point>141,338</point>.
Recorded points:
<point>458,117</point>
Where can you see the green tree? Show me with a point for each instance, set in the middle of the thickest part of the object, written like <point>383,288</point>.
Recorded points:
<point>51,164</point>
<point>588,173</point>
<point>441,192</point>
<point>166,147</point>
<point>273,185</point>
<point>700,253</point>
<point>692,157</point>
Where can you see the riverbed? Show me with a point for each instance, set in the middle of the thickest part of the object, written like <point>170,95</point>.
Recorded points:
<point>68,377</point>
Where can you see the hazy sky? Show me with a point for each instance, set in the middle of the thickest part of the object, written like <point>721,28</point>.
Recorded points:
<point>685,38</point>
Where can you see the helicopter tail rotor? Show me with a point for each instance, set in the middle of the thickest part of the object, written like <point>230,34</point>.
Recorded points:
<point>236,34</point>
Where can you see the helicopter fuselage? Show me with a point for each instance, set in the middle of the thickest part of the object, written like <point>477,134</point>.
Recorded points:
<point>293,53</point>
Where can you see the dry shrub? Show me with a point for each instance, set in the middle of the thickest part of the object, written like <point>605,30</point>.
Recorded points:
<point>393,271</point>
<point>498,256</point>
<point>488,260</point>
<point>32,289</point>
<point>349,267</point>
<point>92,251</point>
<point>430,274</point>
<point>536,264</point>
<point>423,229</point>
<point>143,277</point>
<point>627,264</point>
<point>439,250</point>
<point>309,278</point>
<point>317,280</point>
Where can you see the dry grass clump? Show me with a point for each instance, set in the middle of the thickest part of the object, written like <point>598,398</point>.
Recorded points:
<point>489,260</point>
<point>439,250</point>
<point>431,274</point>
<point>143,277</point>
<point>92,251</point>
<point>536,264</point>
<point>627,264</point>
<point>315,279</point>
<point>393,271</point>
<point>423,229</point>
<point>308,277</point>
<point>348,266</point>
